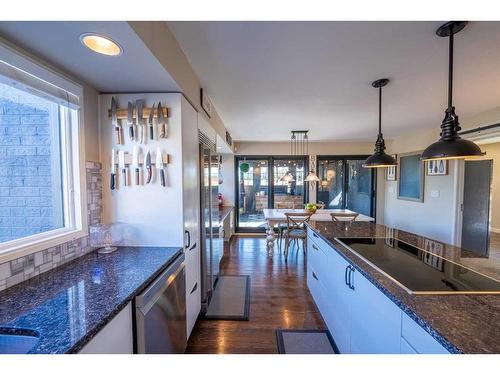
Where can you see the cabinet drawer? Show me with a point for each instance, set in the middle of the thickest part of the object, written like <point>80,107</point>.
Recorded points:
<point>318,259</point>
<point>420,339</point>
<point>312,236</point>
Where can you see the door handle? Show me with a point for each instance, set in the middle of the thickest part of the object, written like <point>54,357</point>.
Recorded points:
<point>194,288</point>
<point>351,277</point>
<point>188,239</point>
<point>314,275</point>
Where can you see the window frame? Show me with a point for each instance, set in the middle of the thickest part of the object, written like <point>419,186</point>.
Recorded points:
<point>73,164</point>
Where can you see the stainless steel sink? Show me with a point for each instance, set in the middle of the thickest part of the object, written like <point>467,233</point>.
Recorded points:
<point>17,340</point>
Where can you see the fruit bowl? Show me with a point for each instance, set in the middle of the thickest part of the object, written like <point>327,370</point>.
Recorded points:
<point>311,208</point>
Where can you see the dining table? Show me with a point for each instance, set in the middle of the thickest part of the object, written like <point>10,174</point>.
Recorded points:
<point>274,216</point>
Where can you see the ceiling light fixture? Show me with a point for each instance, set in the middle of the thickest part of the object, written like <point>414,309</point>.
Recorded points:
<point>380,159</point>
<point>101,44</point>
<point>450,145</point>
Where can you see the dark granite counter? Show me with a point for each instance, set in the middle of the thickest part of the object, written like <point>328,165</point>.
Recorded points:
<point>69,305</point>
<point>461,323</point>
<point>224,212</point>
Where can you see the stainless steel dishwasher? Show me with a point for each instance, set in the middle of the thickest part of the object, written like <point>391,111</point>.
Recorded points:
<point>161,312</point>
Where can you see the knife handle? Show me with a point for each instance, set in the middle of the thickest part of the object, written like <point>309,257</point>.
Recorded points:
<point>137,180</point>
<point>112,181</point>
<point>151,134</point>
<point>162,177</point>
<point>162,131</point>
<point>118,135</point>
<point>125,176</point>
<point>131,132</point>
<point>150,174</point>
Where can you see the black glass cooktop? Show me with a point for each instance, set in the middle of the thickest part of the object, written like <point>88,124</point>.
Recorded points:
<point>419,271</point>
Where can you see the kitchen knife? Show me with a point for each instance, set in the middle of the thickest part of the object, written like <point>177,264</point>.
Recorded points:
<point>121,161</point>
<point>148,167</point>
<point>161,122</point>
<point>139,105</point>
<point>130,120</point>
<point>114,121</point>
<point>150,121</point>
<point>112,182</point>
<point>135,164</point>
<point>159,166</point>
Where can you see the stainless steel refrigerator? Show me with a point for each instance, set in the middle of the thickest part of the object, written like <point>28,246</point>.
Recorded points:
<point>212,243</point>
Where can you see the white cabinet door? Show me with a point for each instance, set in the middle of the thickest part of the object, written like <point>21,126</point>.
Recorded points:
<point>191,211</point>
<point>339,297</point>
<point>375,319</point>
<point>115,338</point>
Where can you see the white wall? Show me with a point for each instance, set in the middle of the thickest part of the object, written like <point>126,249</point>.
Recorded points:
<point>152,212</point>
<point>227,187</point>
<point>493,152</point>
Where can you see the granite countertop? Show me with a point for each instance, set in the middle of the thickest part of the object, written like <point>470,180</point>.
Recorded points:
<point>226,210</point>
<point>72,303</point>
<point>462,323</point>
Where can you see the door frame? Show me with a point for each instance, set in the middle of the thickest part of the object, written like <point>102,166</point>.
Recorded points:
<point>270,188</point>
<point>344,158</point>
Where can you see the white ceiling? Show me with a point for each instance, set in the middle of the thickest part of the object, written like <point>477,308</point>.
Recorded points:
<point>267,78</point>
<point>136,70</point>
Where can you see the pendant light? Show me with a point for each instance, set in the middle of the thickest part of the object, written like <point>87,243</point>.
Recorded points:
<point>380,159</point>
<point>450,145</point>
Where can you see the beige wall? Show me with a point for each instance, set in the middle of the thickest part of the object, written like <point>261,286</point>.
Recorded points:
<point>162,43</point>
<point>436,216</point>
<point>315,148</point>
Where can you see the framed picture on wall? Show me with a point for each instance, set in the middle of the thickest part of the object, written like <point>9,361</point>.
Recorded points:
<point>437,167</point>
<point>411,177</point>
<point>390,174</point>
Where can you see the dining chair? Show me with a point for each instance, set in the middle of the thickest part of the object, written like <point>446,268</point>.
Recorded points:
<point>295,230</point>
<point>280,227</point>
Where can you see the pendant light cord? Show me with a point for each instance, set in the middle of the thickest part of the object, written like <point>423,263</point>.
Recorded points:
<point>380,110</point>
<point>450,72</point>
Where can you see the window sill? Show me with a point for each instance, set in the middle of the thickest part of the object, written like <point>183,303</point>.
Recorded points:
<point>33,244</point>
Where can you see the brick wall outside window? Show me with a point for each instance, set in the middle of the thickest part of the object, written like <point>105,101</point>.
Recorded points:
<point>30,188</point>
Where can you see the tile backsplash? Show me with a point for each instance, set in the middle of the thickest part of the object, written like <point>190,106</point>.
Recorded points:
<point>25,267</point>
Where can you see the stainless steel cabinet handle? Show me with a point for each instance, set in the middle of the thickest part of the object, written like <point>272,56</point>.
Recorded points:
<point>345,275</point>
<point>315,248</point>
<point>194,288</point>
<point>188,238</point>
<point>192,247</point>
<point>315,235</point>
<point>314,275</point>
<point>351,278</point>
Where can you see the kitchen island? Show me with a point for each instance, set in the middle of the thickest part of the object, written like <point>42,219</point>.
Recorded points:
<point>68,306</point>
<point>454,323</point>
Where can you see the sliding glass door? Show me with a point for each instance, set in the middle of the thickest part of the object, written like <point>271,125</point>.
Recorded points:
<point>267,182</point>
<point>344,183</point>
<point>252,192</point>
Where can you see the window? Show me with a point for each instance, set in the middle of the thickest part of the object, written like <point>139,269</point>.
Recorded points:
<point>40,184</point>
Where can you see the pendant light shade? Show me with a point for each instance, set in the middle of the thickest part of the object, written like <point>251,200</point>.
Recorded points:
<point>311,177</point>
<point>450,145</point>
<point>380,159</point>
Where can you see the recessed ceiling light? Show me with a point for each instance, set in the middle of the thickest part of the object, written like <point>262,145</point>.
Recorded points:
<point>101,44</point>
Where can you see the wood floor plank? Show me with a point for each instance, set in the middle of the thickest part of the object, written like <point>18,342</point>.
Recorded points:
<point>279,299</point>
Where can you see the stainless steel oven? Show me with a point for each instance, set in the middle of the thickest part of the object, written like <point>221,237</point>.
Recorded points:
<point>161,312</point>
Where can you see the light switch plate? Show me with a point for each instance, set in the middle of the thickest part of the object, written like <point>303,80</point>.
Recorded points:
<point>434,193</point>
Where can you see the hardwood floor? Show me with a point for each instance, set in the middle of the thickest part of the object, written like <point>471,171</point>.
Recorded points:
<point>279,299</point>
